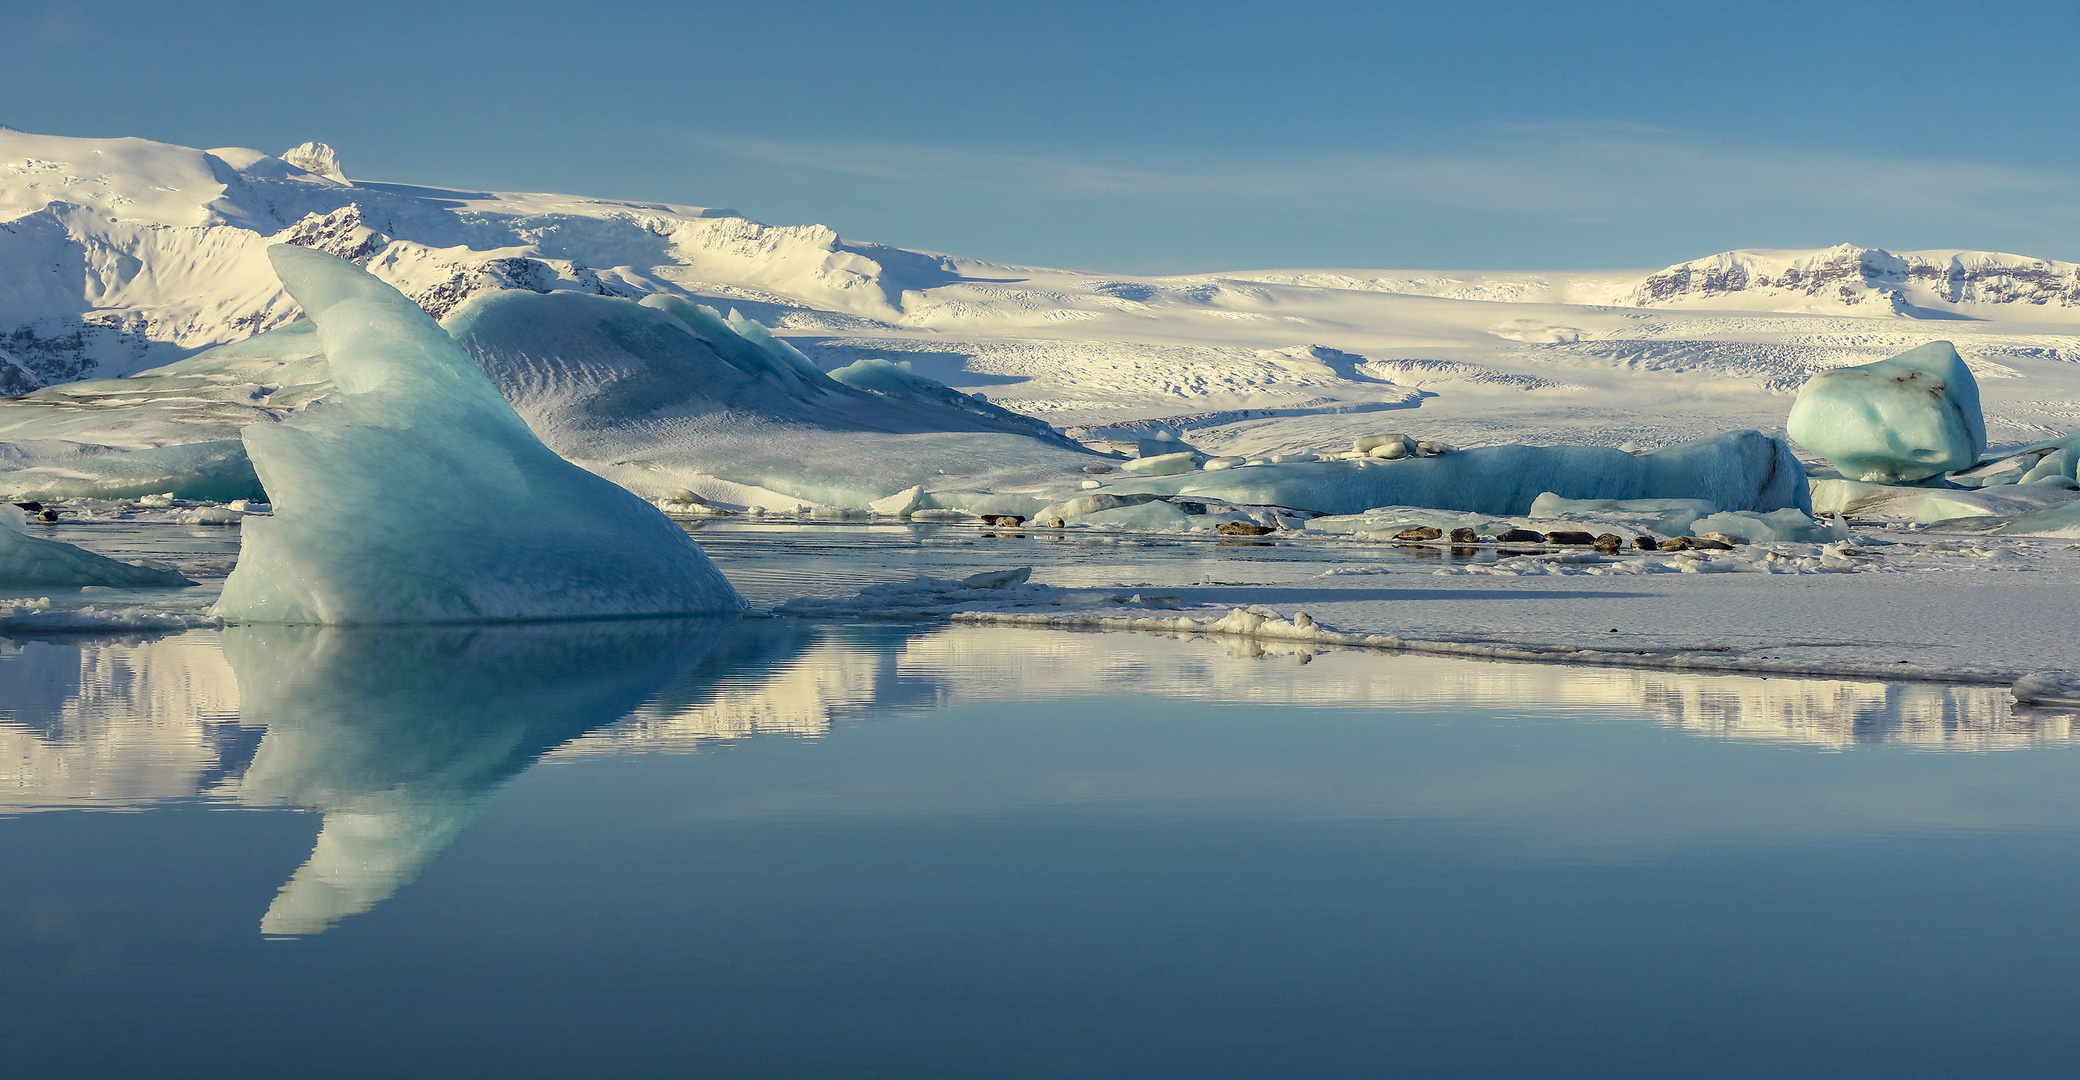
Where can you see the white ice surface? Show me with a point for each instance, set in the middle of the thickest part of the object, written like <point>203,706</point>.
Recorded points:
<point>416,494</point>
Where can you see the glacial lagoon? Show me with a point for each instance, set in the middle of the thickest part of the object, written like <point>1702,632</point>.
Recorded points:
<point>780,847</point>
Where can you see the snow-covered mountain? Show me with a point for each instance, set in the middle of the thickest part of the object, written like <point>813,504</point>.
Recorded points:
<point>120,255</point>
<point>1979,284</point>
<point>123,254</point>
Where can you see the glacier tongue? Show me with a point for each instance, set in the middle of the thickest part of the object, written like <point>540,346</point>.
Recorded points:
<point>416,494</point>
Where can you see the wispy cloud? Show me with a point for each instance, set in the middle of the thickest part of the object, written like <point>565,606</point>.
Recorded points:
<point>1580,173</point>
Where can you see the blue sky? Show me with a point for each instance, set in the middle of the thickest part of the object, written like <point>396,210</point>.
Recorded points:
<point>1151,137</point>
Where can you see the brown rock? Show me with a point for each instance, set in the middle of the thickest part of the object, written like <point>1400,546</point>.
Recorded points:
<point>1521,536</point>
<point>1694,543</point>
<point>1242,528</point>
<point>1569,536</point>
<point>1424,532</point>
<point>1609,543</point>
<point>1465,536</point>
<point>1003,520</point>
<point>1644,543</point>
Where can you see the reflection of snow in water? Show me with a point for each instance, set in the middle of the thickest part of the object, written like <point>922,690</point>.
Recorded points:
<point>400,738</point>
<point>124,724</point>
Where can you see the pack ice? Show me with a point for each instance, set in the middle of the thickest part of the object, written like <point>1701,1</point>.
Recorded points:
<point>27,560</point>
<point>414,493</point>
<point>1910,417</point>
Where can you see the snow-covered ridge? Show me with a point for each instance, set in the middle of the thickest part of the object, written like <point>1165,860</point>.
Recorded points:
<point>122,254</point>
<point>1873,280</point>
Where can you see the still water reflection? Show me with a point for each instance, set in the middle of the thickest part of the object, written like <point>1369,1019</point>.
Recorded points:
<point>659,777</point>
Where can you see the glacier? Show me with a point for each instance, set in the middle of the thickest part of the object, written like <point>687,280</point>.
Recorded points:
<point>1909,417</point>
<point>415,494</point>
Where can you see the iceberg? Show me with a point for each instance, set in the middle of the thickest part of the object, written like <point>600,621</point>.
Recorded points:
<point>1737,470</point>
<point>1669,517</point>
<point>203,472</point>
<point>1777,526</point>
<point>668,394</point>
<point>27,560</point>
<point>415,494</point>
<point>1913,416</point>
<point>2006,500</point>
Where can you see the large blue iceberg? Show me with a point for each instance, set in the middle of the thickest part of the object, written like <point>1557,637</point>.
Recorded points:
<point>1911,417</point>
<point>415,494</point>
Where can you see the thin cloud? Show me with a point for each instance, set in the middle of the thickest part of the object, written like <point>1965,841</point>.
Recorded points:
<point>1578,173</point>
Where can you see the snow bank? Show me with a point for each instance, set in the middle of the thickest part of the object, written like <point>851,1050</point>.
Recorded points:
<point>417,494</point>
<point>1913,416</point>
<point>27,560</point>
<point>1739,470</point>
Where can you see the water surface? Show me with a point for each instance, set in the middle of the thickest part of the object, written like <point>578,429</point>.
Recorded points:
<point>779,848</point>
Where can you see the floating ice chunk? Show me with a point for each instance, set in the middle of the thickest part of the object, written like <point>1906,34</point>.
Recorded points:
<point>2054,466</point>
<point>1161,464</point>
<point>991,590</point>
<point>1153,516</point>
<point>27,560</point>
<point>1671,517</point>
<point>416,494</point>
<point>1838,496</point>
<point>2060,520</point>
<point>2007,500</point>
<point>1913,416</point>
<point>899,504</point>
<point>1779,526</point>
<point>2048,688</point>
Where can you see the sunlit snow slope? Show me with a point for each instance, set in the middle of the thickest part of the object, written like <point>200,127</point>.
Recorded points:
<point>120,255</point>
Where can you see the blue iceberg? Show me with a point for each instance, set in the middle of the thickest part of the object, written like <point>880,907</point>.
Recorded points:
<point>415,494</point>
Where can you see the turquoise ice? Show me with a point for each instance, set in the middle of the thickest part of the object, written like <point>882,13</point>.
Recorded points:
<point>415,494</point>
<point>1911,417</point>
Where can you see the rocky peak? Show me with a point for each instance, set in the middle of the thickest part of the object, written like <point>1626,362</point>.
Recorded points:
<point>316,157</point>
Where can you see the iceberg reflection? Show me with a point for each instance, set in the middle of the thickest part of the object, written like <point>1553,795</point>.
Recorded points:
<point>401,736</point>
<point>858,671</point>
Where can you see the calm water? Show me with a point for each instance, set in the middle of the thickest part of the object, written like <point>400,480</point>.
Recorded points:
<point>777,848</point>
<point>771,562</point>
